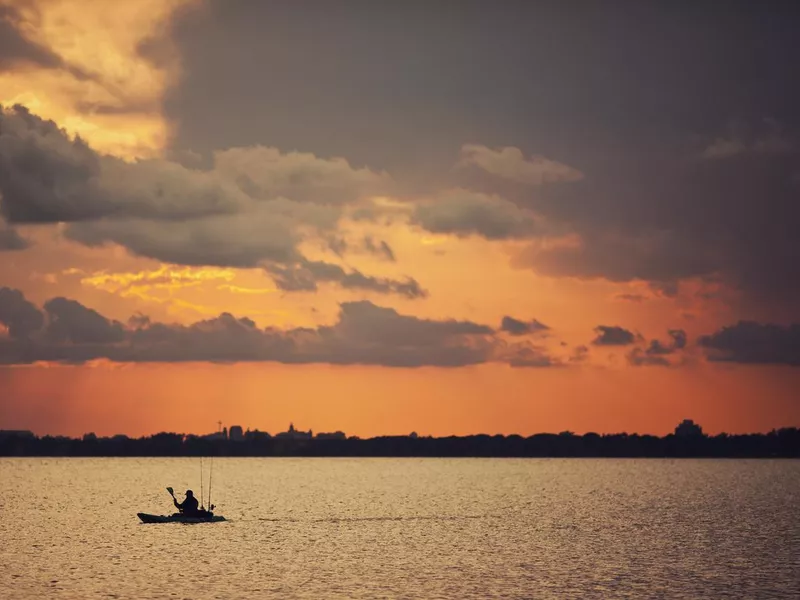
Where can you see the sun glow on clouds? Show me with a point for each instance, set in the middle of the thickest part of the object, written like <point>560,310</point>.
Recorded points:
<point>113,73</point>
<point>186,292</point>
<point>166,277</point>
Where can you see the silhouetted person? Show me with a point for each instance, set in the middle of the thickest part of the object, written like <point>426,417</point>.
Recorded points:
<point>189,506</point>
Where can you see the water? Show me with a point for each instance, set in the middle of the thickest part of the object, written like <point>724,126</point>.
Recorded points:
<point>403,528</point>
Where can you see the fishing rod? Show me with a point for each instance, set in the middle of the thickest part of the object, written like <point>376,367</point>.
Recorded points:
<point>210,474</point>
<point>201,482</point>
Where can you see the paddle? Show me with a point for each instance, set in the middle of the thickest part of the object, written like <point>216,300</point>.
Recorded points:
<point>172,493</point>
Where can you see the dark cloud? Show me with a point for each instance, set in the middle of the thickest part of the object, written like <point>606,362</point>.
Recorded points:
<point>363,334</point>
<point>369,245</point>
<point>10,239</point>
<point>670,189</point>
<point>619,87</point>
<point>516,327</point>
<point>234,216</point>
<point>15,48</point>
<point>303,276</point>
<point>46,176</point>
<point>663,217</point>
<point>239,240</point>
<point>71,322</point>
<point>20,317</point>
<point>657,351</point>
<point>755,343</point>
<point>463,213</point>
<point>336,244</point>
<point>579,354</point>
<point>254,204</point>
<point>527,355</point>
<point>613,335</point>
<point>379,248</point>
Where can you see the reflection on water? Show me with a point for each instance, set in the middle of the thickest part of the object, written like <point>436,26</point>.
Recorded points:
<point>411,528</point>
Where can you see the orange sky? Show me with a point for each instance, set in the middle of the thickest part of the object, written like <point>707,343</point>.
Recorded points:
<point>466,277</point>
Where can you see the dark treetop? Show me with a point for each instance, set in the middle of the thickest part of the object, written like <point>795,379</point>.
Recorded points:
<point>777,443</point>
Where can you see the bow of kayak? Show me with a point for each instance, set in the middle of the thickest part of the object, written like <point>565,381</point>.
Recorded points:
<point>146,518</point>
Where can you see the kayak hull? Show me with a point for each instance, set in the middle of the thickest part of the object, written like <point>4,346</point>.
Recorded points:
<point>146,518</point>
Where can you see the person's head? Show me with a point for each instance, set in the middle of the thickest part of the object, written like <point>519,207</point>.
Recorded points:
<point>189,493</point>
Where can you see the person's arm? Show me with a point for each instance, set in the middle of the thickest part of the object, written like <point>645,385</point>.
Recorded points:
<point>178,506</point>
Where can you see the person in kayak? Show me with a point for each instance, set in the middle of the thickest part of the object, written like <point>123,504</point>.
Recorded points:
<point>189,506</point>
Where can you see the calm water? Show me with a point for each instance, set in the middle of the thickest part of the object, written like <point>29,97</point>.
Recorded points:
<point>403,528</point>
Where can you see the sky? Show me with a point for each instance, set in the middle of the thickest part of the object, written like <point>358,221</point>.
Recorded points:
<point>382,217</point>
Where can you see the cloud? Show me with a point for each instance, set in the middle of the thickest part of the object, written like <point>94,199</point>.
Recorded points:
<point>339,245</point>
<point>659,217</point>
<point>364,333</point>
<point>107,88</point>
<point>463,213</point>
<point>15,48</point>
<point>516,327</point>
<point>21,317</point>
<point>254,205</point>
<point>579,354</point>
<point>527,355</point>
<point>657,351</point>
<point>266,173</point>
<point>755,343</point>
<point>10,239</point>
<point>70,321</point>
<point>380,249</point>
<point>48,177</point>
<point>613,335</point>
<point>304,275</point>
<point>509,163</point>
<point>241,240</point>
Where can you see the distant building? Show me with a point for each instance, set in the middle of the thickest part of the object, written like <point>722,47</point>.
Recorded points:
<point>294,434</point>
<point>236,434</point>
<point>256,435</point>
<point>688,428</point>
<point>21,434</point>
<point>336,435</point>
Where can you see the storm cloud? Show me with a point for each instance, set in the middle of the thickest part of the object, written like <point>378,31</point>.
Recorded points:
<point>364,333</point>
<point>750,342</point>
<point>666,165</point>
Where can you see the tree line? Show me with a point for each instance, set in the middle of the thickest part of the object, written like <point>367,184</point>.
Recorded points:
<point>783,443</point>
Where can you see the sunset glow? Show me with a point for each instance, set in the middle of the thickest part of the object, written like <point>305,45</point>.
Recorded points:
<point>200,221</point>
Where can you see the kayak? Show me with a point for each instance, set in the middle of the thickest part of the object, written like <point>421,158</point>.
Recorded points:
<point>178,518</point>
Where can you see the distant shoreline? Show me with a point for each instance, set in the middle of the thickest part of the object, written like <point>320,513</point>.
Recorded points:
<point>782,443</point>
